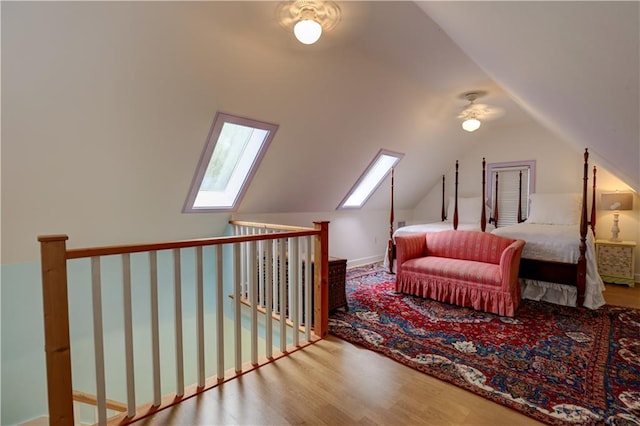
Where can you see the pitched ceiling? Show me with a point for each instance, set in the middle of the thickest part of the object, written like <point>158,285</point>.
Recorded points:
<point>391,75</point>
<point>386,77</point>
<point>572,65</point>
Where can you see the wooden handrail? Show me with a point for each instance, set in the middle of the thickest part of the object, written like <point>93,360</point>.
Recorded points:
<point>201,242</point>
<point>54,256</point>
<point>269,226</point>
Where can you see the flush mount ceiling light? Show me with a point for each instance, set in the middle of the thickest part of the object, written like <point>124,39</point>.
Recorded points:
<point>308,18</point>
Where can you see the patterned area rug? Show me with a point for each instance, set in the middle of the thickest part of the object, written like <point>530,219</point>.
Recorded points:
<point>556,364</point>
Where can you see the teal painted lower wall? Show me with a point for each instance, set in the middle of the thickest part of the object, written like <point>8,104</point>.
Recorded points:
<point>24,391</point>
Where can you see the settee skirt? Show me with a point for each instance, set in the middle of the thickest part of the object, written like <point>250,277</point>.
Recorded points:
<point>481,297</point>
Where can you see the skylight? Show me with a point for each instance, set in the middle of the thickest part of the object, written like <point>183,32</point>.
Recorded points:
<point>371,179</point>
<point>230,158</point>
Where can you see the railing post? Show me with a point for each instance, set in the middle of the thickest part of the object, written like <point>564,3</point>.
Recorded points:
<point>321,280</point>
<point>56,328</point>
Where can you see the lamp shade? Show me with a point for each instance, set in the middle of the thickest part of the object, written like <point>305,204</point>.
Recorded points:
<point>307,31</point>
<point>471,124</point>
<point>617,201</point>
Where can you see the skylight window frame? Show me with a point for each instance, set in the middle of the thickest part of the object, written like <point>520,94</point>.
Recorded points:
<point>363,177</point>
<point>213,139</point>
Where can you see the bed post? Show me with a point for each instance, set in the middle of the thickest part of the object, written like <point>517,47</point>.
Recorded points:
<point>582,261</point>
<point>496,213</point>
<point>390,251</point>
<point>483,215</point>
<point>520,198</point>
<point>593,204</point>
<point>455,208</point>
<point>443,215</point>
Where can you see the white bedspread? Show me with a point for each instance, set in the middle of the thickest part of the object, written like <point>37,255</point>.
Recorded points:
<point>558,243</point>
<point>440,226</point>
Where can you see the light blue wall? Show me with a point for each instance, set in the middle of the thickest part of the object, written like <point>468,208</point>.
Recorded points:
<point>23,365</point>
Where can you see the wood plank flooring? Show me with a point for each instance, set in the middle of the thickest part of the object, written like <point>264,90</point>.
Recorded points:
<point>336,383</point>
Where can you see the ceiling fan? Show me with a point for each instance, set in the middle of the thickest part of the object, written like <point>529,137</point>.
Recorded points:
<point>473,113</point>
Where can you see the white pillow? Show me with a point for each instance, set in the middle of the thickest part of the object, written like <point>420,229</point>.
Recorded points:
<point>469,209</point>
<point>554,209</point>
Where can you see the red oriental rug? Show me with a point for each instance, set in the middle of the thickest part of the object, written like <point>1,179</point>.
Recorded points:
<point>556,364</point>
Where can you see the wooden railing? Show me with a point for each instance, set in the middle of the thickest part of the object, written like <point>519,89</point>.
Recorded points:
<point>252,283</point>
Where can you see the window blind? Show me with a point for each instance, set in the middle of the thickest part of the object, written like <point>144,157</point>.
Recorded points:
<point>508,193</point>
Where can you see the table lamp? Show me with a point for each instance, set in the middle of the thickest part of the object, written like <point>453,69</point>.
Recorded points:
<point>616,201</point>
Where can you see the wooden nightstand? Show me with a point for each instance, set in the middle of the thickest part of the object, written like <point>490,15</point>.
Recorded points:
<point>616,261</point>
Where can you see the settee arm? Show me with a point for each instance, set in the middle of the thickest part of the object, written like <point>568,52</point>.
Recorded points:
<point>510,266</point>
<point>410,246</point>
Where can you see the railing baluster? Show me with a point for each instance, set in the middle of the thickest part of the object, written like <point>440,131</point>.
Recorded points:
<point>200,316</point>
<point>177,307</point>
<point>269,298</point>
<point>128,335</point>
<point>219,315</point>
<point>155,329</point>
<point>300,286</point>
<point>282,289</point>
<point>237,315</point>
<point>276,274</point>
<point>98,343</point>
<point>261,278</point>
<point>294,280</point>
<point>243,266</point>
<point>253,293</point>
<point>308,291</point>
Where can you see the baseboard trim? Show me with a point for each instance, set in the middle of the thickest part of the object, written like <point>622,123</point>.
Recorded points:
<point>364,261</point>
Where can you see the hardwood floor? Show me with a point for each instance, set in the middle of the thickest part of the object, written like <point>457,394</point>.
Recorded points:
<point>336,383</point>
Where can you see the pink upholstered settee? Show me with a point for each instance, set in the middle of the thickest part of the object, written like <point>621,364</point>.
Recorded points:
<point>466,268</point>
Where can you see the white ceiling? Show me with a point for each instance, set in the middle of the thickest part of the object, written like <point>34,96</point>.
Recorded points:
<point>389,76</point>
<point>393,79</point>
<point>572,65</point>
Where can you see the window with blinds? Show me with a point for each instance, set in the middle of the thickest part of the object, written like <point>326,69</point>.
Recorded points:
<point>515,180</point>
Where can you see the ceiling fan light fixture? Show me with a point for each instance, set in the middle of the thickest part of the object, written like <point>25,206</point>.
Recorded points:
<point>309,19</point>
<point>471,114</point>
<point>471,124</point>
<point>307,31</point>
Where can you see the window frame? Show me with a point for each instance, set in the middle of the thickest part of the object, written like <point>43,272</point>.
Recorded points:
<point>397,155</point>
<point>219,121</point>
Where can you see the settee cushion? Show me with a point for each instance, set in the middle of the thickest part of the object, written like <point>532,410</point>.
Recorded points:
<point>449,269</point>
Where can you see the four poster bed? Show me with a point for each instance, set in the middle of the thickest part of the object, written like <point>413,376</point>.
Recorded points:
<point>463,213</point>
<point>558,262</point>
